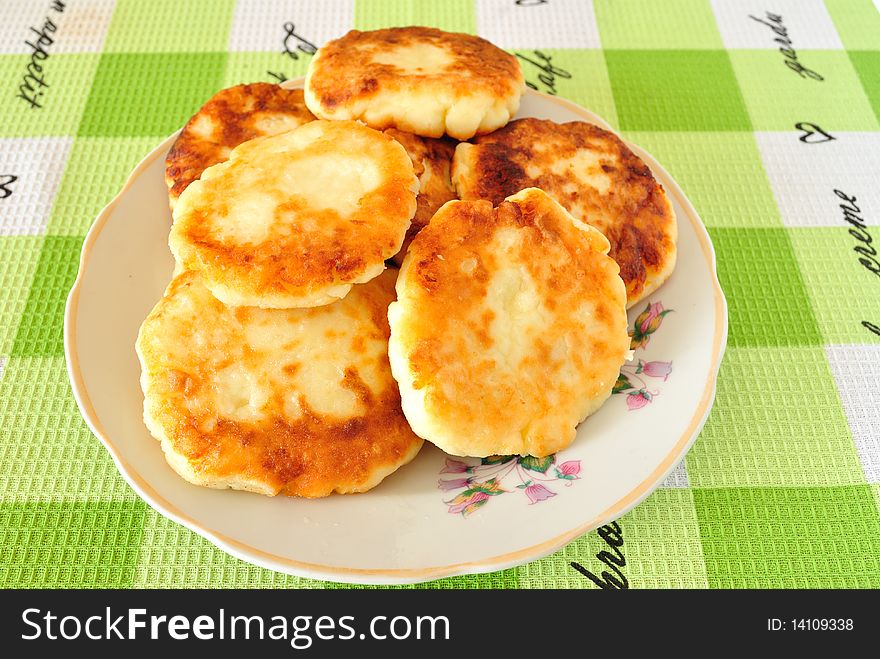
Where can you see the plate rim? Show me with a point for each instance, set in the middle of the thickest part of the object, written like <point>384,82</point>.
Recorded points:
<point>392,576</point>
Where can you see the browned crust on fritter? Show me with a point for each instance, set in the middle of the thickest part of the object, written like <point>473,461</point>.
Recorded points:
<point>642,232</point>
<point>312,456</point>
<point>345,75</point>
<point>236,114</point>
<point>435,157</point>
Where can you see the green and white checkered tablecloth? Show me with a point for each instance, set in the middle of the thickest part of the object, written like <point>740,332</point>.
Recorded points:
<point>782,489</point>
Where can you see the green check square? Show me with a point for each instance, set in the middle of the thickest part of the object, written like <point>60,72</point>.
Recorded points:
<point>449,15</point>
<point>19,256</point>
<point>875,488</point>
<point>836,103</point>
<point>666,90</point>
<point>69,544</point>
<point>68,76</point>
<point>804,537</point>
<point>247,67</point>
<point>41,330</point>
<point>583,77</point>
<point>47,452</point>
<point>149,94</point>
<point>96,170</point>
<point>165,26</point>
<point>767,302</point>
<point>661,547</point>
<point>702,163</point>
<point>777,421</point>
<point>857,23</point>
<point>867,66</point>
<point>669,25</point>
<point>842,291</point>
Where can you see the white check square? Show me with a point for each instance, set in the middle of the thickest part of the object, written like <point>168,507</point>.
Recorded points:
<point>806,24</point>
<point>677,478</point>
<point>261,25</point>
<point>858,382</point>
<point>804,176</point>
<point>79,28</point>
<point>528,24</point>
<point>30,172</point>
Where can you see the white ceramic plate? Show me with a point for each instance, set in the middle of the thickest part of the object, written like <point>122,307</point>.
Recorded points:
<point>408,529</point>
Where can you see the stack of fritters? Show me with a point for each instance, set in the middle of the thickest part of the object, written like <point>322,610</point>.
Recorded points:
<point>594,175</point>
<point>265,367</point>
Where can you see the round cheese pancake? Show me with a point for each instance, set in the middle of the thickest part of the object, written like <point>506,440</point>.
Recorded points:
<point>417,79</point>
<point>593,174</point>
<point>293,220</point>
<point>230,117</point>
<point>498,352</point>
<point>292,401</point>
<point>432,161</point>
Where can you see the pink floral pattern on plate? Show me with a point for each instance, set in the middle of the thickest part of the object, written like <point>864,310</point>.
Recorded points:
<point>631,380</point>
<point>503,474</point>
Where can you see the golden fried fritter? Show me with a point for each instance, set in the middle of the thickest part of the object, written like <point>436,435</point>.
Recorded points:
<point>418,79</point>
<point>509,327</point>
<point>294,220</point>
<point>290,401</point>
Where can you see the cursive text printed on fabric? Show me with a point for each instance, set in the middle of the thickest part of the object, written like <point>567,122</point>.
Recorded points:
<point>33,83</point>
<point>774,22</point>
<point>868,255</point>
<point>547,71</point>
<point>294,45</point>
<point>613,537</point>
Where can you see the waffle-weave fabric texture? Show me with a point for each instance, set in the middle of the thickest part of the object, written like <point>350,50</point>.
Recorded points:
<point>738,99</point>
